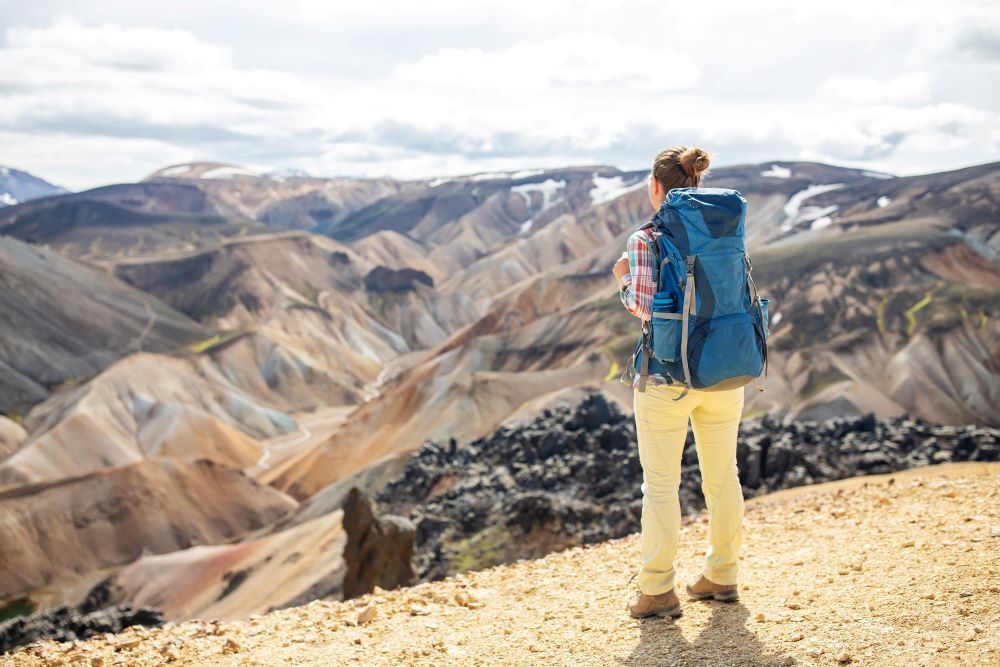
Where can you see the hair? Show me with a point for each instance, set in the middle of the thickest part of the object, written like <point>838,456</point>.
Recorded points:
<point>680,167</point>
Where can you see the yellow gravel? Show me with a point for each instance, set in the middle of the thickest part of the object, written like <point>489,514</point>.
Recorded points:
<point>885,570</point>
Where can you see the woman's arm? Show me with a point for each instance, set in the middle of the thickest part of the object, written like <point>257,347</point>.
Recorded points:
<point>636,288</point>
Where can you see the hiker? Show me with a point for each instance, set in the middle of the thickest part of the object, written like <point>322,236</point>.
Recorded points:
<point>663,405</point>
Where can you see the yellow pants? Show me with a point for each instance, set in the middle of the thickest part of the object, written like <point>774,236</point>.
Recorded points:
<point>661,427</point>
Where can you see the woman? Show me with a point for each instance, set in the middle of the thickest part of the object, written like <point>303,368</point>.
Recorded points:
<point>661,428</point>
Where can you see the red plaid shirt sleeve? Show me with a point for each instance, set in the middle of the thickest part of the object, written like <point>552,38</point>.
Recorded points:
<point>636,288</point>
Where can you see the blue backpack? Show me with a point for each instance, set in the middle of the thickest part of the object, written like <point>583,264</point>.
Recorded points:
<point>709,327</point>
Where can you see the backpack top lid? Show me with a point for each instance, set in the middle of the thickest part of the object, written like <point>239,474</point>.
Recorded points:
<point>699,197</point>
<point>699,217</point>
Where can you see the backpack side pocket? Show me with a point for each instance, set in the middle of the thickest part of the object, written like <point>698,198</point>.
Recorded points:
<point>665,324</point>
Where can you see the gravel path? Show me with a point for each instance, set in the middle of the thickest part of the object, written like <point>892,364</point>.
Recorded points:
<point>900,569</point>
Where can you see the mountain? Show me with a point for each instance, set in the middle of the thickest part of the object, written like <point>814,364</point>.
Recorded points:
<point>18,186</point>
<point>184,208</point>
<point>444,317</point>
<point>144,406</point>
<point>868,313</point>
<point>12,435</point>
<point>281,200</point>
<point>892,304</point>
<point>339,555</point>
<point>309,336</point>
<point>54,534</point>
<point>124,220</point>
<point>62,321</point>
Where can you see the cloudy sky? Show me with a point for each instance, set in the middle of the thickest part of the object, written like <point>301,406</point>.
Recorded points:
<point>102,91</point>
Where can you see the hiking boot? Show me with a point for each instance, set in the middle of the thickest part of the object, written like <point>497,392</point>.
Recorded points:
<point>703,589</point>
<point>663,605</point>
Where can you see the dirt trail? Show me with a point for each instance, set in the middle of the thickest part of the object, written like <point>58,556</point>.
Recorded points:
<point>897,569</point>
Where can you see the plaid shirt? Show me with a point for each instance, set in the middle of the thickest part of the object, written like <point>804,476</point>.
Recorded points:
<point>636,288</point>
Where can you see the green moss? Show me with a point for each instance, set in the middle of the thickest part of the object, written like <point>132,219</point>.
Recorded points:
<point>484,549</point>
<point>911,312</point>
<point>215,342</point>
<point>880,314</point>
<point>819,380</point>
<point>15,608</point>
<point>204,345</point>
<point>296,303</point>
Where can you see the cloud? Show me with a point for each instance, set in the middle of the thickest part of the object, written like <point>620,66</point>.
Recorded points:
<point>980,41</point>
<point>569,59</point>
<point>909,87</point>
<point>434,89</point>
<point>134,48</point>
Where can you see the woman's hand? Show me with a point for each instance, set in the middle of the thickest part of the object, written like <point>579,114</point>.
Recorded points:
<point>621,267</point>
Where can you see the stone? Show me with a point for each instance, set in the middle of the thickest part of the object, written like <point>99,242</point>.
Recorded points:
<point>367,614</point>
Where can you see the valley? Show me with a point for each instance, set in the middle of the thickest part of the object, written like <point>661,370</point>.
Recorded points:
<point>219,387</point>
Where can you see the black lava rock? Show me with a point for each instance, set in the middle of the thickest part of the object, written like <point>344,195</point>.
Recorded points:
<point>572,476</point>
<point>70,623</point>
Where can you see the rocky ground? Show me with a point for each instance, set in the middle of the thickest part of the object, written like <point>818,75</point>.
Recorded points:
<point>71,623</point>
<point>572,477</point>
<point>900,569</point>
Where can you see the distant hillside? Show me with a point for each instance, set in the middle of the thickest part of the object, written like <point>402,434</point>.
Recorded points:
<point>18,186</point>
<point>63,321</point>
<point>281,200</point>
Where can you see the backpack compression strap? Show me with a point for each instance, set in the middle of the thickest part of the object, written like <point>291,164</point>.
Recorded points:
<point>644,364</point>
<point>687,309</point>
<point>756,300</point>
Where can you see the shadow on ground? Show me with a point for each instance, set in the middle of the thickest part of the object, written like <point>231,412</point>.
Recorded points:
<point>726,640</point>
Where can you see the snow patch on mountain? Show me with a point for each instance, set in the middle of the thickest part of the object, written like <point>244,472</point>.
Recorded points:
<point>883,202</point>
<point>607,188</point>
<point>490,176</point>
<point>176,170</point>
<point>820,223</point>
<point>549,188</point>
<point>284,174</point>
<point>777,171</point>
<point>794,211</point>
<point>228,172</point>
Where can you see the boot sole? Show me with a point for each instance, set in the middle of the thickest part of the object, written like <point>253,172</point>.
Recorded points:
<point>721,596</point>
<point>670,612</point>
